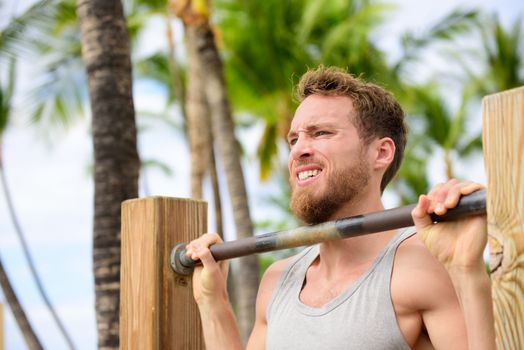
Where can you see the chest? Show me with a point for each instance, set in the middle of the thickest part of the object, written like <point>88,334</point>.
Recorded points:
<point>353,313</point>
<point>317,290</point>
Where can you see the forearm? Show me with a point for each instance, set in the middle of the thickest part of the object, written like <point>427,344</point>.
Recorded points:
<point>473,289</point>
<point>219,326</point>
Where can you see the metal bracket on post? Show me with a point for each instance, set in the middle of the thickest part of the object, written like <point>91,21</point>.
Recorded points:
<point>177,257</point>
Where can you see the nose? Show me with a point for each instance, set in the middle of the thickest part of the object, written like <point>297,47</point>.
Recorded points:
<point>303,148</point>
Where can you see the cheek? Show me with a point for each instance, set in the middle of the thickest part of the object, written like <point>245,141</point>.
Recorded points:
<point>290,178</point>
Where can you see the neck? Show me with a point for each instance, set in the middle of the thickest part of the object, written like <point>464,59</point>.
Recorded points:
<point>354,252</point>
<point>364,202</point>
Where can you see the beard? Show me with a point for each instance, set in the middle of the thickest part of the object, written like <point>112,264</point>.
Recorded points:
<point>342,186</point>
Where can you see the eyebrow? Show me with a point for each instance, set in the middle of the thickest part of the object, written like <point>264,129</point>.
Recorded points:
<point>312,128</point>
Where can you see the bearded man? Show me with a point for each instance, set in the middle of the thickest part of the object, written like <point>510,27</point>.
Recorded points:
<point>423,287</point>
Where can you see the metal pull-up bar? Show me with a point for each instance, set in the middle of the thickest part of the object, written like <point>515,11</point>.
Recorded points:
<point>473,204</point>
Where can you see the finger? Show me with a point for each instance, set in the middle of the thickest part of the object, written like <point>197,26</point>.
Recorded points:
<point>421,212</point>
<point>206,240</point>
<point>462,189</point>
<point>455,192</point>
<point>224,266</point>
<point>442,194</point>
<point>432,195</point>
<point>189,249</point>
<point>471,187</point>
<point>452,198</point>
<point>204,254</point>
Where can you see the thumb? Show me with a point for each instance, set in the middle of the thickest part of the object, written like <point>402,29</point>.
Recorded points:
<point>420,214</point>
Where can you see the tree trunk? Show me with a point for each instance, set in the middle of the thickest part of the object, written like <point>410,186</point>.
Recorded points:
<point>216,193</point>
<point>21,319</point>
<point>174,69</point>
<point>105,51</point>
<point>201,138</point>
<point>246,277</point>
<point>449,165</point>
<point>198,122</point>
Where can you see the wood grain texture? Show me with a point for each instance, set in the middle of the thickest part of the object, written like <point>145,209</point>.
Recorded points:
<point>503,138</point>
<point>157,309</point>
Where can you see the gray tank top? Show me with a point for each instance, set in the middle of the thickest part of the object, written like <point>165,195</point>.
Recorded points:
<point>362,317</point>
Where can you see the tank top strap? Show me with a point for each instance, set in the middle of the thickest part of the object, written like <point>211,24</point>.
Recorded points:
<point>384,264</point>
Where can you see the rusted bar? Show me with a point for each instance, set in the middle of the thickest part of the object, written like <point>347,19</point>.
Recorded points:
<point>473,204</point>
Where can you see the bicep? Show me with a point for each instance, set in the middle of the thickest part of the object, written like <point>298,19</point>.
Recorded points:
<point>445,326</point>
<point>442,315</point>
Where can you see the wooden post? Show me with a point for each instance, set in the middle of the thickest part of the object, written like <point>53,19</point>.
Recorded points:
<point>157,310</point>
<point>503,138</point>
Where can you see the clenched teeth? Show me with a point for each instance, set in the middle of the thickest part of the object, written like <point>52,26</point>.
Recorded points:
<point>309,173</point>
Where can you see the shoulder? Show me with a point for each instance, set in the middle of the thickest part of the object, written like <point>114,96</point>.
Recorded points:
<point>419,276</point>
<point>270,280</point>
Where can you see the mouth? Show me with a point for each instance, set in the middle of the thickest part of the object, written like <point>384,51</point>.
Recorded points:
<point>307,176</point>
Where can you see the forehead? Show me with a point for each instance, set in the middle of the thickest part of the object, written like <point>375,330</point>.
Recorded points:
<point>318,109</point>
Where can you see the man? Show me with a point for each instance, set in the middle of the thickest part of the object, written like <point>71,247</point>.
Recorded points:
<point>390,290</point>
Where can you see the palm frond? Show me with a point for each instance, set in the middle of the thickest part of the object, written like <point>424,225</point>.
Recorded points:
<point>20,29</point>
<point>6,95</point>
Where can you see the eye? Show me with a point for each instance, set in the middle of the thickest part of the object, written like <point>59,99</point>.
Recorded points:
<point>322,133</point>
<point>292,141</point>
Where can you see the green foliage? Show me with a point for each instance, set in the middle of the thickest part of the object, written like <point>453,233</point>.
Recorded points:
<point>503,50</point>
<point>156,67</point>
<point>60,89</point>
<point>15,40</point>
<point>412,178</point>
<point>6,95</point>
<point>264,261</point>
<point>14,37</point>
<point>453,25</point>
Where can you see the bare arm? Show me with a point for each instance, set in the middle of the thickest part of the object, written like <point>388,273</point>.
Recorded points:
<point>209,288</point>
<point>459,247</point>
<point>210,293</point>
<point>473,288</point>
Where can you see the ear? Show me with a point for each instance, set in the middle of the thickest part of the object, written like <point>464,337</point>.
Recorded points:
<point>384,152</point>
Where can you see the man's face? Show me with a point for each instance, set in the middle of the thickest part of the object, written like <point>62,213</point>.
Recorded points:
<point>327,164</point>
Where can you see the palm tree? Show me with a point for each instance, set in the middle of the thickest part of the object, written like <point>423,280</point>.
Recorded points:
<point>200,40</point>
<point>106,54</point>
<point>28,333</point>
<point>164,69</point>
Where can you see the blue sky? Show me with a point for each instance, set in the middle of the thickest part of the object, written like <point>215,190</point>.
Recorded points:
<point>53,190</point>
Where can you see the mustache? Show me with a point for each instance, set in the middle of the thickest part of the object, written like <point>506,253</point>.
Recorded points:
<point>304,162</point>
